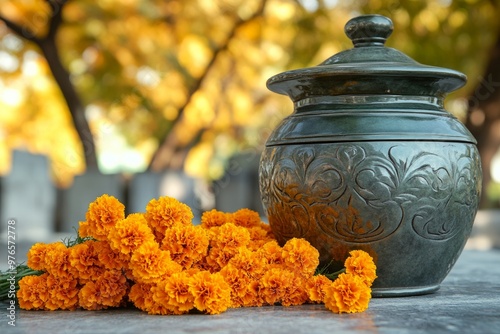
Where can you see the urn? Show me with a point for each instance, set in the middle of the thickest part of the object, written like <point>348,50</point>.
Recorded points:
<point>370,159</point>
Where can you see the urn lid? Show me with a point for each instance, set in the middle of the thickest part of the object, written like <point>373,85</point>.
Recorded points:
<point>368,68</point>
<point>369,92</point>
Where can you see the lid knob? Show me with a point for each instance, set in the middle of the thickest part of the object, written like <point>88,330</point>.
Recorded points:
<point>369,30</point>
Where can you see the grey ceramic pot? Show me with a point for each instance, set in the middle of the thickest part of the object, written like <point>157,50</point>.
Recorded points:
<point>371,160</point>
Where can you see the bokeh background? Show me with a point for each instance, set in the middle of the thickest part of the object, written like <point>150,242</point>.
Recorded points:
<point>141,98</point>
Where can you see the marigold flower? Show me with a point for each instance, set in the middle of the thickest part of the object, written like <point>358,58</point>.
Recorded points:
<point>101,216</point>
<point>187,244</point>
<point>107,291</point>
<point>109,258</point>
<point>229,236</point>
<point>274,283</point>
<point>84,259</point>
<point>258,237</point>
<point>149,263</point>
<point>173,294</point>
<point>164,212</point>
<point>244,289</point>
<point>246,218</point>
<point>251,263</point>
<point>299,255</point>
<point>316,287</point>
<point>360,263</point>
<point>211,292</point>
<point>347,294</point>
<point>130,233</point>
<point>63,293</point>
<point>294,292</point>
<point>141,296</point>
<point>272,254</point>
<point>33,292</point>
<point>218,258</point>
<point>214,218</point>
<point>37,254</point>
<point>57,261</point>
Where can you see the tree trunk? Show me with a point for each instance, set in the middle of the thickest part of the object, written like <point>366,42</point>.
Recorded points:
<point>75,106</point>
<point>483,119</point>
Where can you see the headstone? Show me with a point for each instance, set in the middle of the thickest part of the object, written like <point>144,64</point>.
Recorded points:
<point>149,185</point>
<point>28,196</point>
<point>239,187</point>
<point>74,201</point>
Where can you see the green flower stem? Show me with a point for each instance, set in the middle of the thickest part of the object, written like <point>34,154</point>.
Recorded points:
<point>334,275</point>
<point>20,272</point>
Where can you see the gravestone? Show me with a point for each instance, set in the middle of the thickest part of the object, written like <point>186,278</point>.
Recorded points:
<point>148,185</point>
<point>74,201</point>
<point>29,197</point>
<point>239,187</point>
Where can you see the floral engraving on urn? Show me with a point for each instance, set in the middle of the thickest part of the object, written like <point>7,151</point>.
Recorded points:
<point>364,193</point>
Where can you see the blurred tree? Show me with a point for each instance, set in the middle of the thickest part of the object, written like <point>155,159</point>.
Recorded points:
<point>181,83</point>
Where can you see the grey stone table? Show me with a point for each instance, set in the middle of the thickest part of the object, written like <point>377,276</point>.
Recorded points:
<point>467,302</point>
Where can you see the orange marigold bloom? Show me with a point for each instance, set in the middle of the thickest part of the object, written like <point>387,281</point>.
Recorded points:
<point>218,258</point>
<point>37,254</point>
<point>63,293</point>
<point>110,258</point>
<point>360,263</point>
<point>229,236</point>
<point>299,255</point>
<point>33,292</point>
<point>107,291</point>
<point>211,292</point>
<point>294,292</point>
<point>57,261</point>
<point>84,259</point>
<point>251,263</point>
<point>272,253</point>
<point>274,283</point>
<point>347,294</point>
<point>244,289</point>
<point>258,237</point>
<point>316,287</point>
<point>173,294</point>
<point>130,233</point>
<point>141,296</point>
<point>101,216</point>
<point>149,263</point>
<point>246,218</point>
<point>164,212</point>
<point>187,244</point>
<point>214,218</point>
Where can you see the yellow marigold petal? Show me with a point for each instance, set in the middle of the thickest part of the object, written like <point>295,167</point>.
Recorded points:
<point>173,294</point>
<point>84,259</point>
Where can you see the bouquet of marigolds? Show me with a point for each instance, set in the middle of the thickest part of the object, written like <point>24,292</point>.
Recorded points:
<point>163,264</point>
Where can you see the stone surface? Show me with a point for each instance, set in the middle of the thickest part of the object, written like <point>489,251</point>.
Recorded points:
<point>467,302</point>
